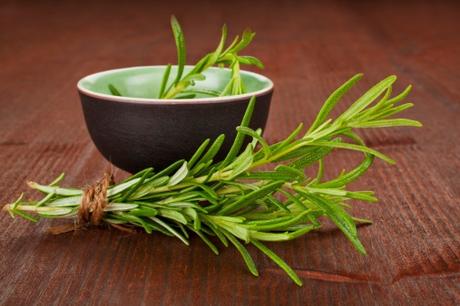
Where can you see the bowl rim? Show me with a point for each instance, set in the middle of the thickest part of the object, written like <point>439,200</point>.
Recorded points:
<point>210,100</point>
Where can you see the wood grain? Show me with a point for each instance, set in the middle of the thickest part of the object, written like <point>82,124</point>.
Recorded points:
<point>309,49</point>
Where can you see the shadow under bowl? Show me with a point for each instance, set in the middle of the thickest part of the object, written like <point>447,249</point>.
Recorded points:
<point>136,131</point>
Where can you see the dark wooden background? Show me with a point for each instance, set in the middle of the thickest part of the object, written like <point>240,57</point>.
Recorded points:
<point>309,49</point>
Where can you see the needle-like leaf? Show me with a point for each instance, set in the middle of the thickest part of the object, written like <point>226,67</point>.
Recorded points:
<point>180,45</point>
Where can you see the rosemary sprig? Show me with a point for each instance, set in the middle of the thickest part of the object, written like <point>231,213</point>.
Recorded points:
<point>234,200</point>
<point>182,85</point>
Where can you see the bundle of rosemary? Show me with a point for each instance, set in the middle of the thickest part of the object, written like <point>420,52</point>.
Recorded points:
<point>182,85</point>
<point>233,200</point>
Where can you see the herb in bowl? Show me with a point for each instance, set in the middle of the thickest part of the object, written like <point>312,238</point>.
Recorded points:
<point>182,84</point>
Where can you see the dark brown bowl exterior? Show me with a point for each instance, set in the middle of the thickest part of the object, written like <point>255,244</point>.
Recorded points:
<point>137,135</point>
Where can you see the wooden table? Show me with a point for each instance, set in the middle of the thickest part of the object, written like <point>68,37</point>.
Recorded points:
<point>309,49</point>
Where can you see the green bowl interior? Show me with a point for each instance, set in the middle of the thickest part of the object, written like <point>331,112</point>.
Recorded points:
<point>144,82</point>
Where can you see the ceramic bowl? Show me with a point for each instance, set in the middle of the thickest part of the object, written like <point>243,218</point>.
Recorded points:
<point>136,130</point>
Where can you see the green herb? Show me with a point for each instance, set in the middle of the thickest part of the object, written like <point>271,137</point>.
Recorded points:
<point>182,85</point>
<point>234,200</point>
